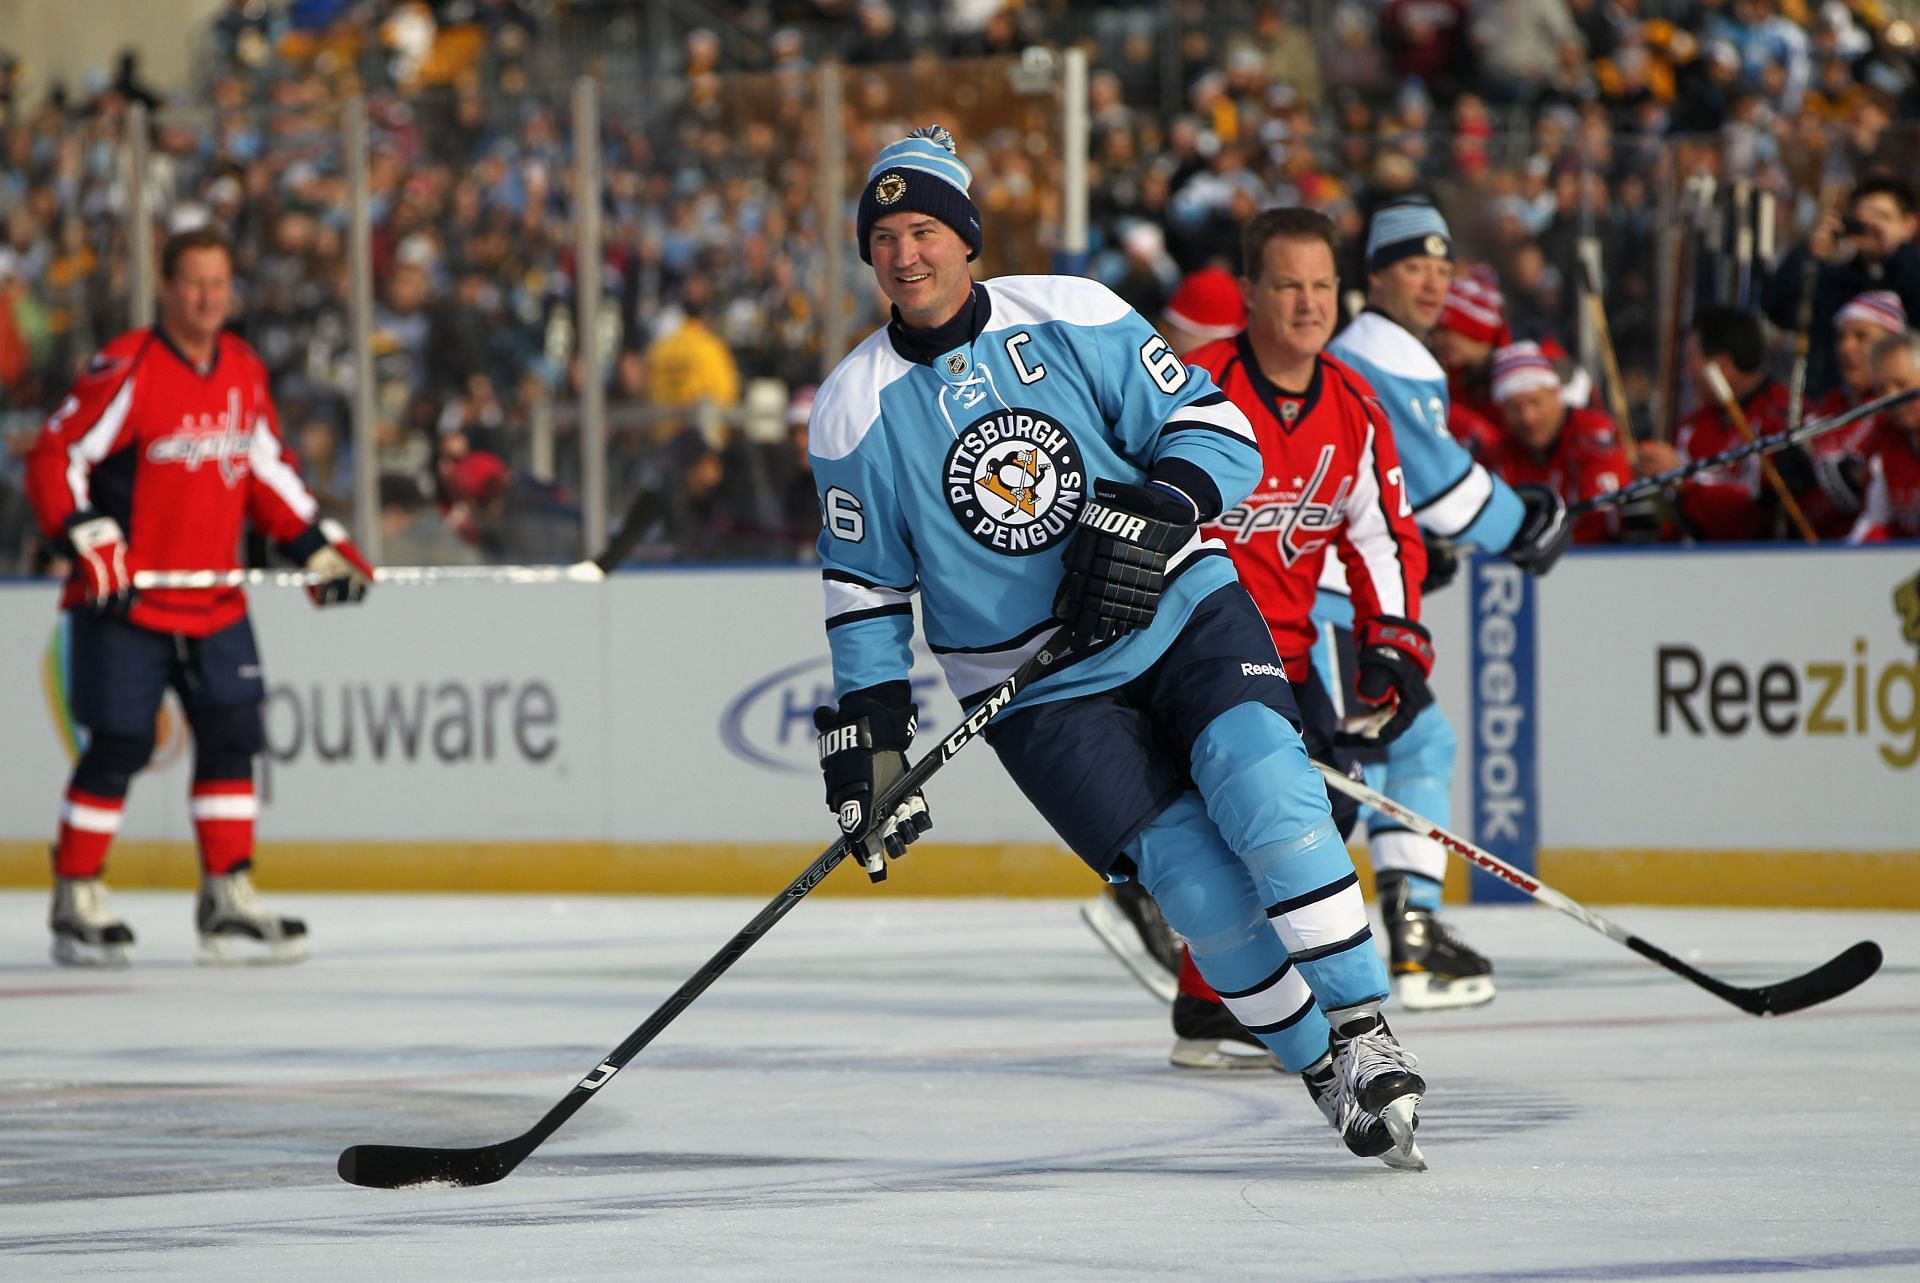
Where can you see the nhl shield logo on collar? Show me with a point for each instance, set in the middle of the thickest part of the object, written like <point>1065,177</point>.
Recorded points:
<point>956,363</point>
<point>890,189</point>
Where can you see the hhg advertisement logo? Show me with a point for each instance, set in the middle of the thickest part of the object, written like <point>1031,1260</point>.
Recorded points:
<point>1506,796</point>
<point>770,721</point>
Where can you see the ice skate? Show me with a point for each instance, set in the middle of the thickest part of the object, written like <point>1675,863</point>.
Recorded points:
<point>1376,1074</point>
<point>86,933</point>
<point>1432,968</point>
<point>235,928</point>
<point>1364,1133</point>
<point>1128,922</point>
<point>1206,1036</point>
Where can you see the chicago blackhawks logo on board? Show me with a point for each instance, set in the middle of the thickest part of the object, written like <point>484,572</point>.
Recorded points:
<point>1014,480</point>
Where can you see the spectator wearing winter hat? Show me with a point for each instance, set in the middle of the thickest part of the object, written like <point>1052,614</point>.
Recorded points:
<point>1207,306</point>
<point>1573,451</point>
<point>1840,457</point>
<point>1472,323</point>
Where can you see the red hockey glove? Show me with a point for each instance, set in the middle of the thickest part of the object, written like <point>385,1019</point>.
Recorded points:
<point>100,555</point>
<point>344,574</point>
<point>1391,686</point>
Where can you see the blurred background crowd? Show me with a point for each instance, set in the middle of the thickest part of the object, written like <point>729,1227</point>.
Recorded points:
<point>1531,124</point>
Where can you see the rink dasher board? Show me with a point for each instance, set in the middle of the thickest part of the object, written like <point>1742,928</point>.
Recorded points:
<point>1700,727</point>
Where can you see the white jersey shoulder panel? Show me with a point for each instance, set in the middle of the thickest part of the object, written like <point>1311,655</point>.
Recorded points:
<point>848,404</point>
<point>1388,345</point>
<point>1036,300</point>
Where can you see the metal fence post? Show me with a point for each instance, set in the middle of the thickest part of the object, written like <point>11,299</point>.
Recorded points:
<point>366,461</point>
<point>586,285</point>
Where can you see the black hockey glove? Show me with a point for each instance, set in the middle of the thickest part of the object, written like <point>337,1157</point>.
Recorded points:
<point>863,751</point>
<point>1390,685</point>
<point>1443,563</point>
<point>1544,531</point>
<point>1116,562</point>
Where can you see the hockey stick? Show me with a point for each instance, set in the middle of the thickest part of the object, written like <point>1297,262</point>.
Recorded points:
<point>633,524</point>
<point>395,1166</point>
<point>1828,980</point>
<point>1730,406</point>
<point>582,572</point>
<point>1762,445</point>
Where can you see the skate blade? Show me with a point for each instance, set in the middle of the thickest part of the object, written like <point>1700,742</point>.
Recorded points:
<point>1123,942</point>
<point>1409,1160</point>
<point>1423,991</point>
<point>237,951</point>
<point>69,952</point>
<point>1214,1053</point>
<point>1400,1121</point>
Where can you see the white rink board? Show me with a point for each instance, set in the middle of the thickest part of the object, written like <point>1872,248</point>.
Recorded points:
<point>671,707</point>
<point>1824,771</point>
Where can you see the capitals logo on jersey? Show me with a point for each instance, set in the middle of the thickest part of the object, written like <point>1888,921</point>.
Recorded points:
<point>1293,507</point>
<point>1014,481</point>
<point>208,438</point>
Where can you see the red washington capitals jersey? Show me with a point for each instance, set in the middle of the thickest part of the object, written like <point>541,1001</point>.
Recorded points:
<point>1731,501</point>
<point>1331,476</point>
<point>180,458</point>
<point>1585,461</point>
<point>1892,509</point>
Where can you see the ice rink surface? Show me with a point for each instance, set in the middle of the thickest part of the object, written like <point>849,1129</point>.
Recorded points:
<point>900,1088</point>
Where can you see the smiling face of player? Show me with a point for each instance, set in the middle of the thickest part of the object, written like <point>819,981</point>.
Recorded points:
<point>1412,291</point>
<point>921,265</point>
<point>194,301</point>
<point>1291,306</point>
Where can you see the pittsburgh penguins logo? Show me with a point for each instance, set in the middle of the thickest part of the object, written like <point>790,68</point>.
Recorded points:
<point>889,189</point>
<point>1436,246</point>
<point>1014,481</point>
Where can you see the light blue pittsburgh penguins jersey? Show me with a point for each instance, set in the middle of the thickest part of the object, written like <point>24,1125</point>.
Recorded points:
<point>1452,495</point>
<point>962,478</point>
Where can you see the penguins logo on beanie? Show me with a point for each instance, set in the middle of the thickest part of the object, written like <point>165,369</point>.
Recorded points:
<point>921,174</point>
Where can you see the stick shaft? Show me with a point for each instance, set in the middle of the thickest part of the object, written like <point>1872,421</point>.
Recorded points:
<point>1730,404</point>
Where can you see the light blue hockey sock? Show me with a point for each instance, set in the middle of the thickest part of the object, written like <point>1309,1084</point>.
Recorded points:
<point>1209,897</point>
<point>1422,892</point>
<point>1271,807</point>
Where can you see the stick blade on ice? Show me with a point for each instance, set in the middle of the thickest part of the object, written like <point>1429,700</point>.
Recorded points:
<point>1828,980</point>
<point>399,1166</point>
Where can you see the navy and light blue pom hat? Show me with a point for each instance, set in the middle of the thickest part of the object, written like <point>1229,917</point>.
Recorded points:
<point>922,175</point>
<point>1406,229</point>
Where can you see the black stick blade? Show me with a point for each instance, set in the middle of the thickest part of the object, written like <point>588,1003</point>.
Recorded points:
<point>399,1166</point>
<point>1828,980</point>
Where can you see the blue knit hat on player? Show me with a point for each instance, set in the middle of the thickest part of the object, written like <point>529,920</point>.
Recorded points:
<point>1407,229</point>
<point>920,174</point>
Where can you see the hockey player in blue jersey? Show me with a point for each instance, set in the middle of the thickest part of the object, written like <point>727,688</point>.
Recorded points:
<point>1409,263</point>
<point>1027,453</point>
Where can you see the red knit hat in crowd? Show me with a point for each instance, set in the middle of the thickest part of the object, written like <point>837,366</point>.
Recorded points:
<point>1522,367</point>
<point>1475,309</point>
<point>1208,304</point>
<point>1881,308</point>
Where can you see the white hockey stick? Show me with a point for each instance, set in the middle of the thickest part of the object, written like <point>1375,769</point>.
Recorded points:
<point>1828,980</point>
<point>584,572</point>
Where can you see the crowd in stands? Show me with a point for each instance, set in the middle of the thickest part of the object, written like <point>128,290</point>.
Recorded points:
<point>1531,124</point>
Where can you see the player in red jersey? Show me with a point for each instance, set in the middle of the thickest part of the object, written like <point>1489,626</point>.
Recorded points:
<point>1733,501</point>
<point>1840,457</point>
<point>1892,508</point>
<point>166,446</point>
<point>1573,451</point>
<point>1472,324</point>
<point>1332,481</point>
